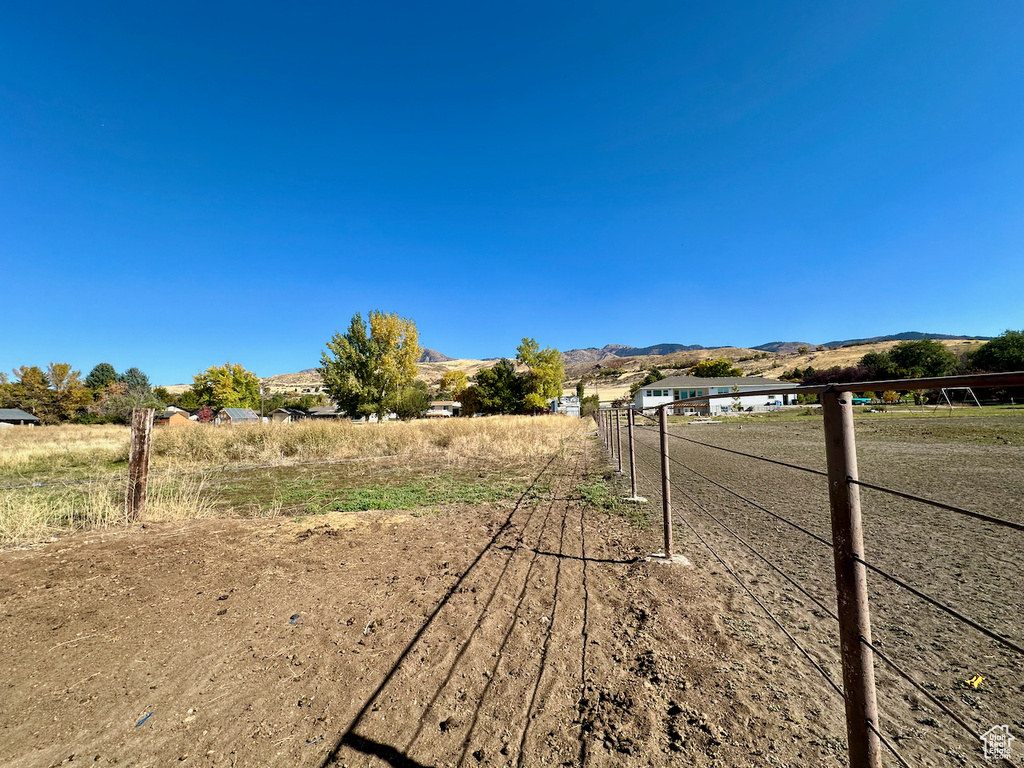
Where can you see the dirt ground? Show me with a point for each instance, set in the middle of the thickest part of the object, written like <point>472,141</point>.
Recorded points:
<point>970,565</point>
<point>524,632</point>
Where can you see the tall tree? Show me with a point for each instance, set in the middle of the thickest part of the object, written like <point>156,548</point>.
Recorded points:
<point>498,389</point>
<point>70,395</point>
<point>545,374</point>
<point>101,375</point>
<point>923,357</point>
<point>227,386</point>
<point>364,368</point>
<point>135,379</point>
<point>1003,353</point>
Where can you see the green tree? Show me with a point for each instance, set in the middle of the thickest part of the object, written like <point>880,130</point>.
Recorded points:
<point>580,389</point>
<point>412,401</point>
<point>135,379</point>
<point>879,366</point>
<point>1003,353</point>
<point>588,405</point>
<point>364,369</point>
<point>101,375</point>
<point>923,357</point>
<point>31,392</point>
<point>226,386</point>
<point>545,374</point>
<point>653,375</point>
<point>498,389</point>
<point>712,369</point>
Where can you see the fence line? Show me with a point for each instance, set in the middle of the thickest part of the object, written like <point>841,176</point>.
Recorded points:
<point>863,734</point>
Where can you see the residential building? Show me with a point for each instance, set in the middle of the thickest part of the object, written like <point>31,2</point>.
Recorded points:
<point>682,387</point>
<point>567,405</point>
<point>442,409</point>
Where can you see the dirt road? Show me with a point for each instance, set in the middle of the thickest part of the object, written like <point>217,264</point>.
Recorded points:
<point>524,633</point>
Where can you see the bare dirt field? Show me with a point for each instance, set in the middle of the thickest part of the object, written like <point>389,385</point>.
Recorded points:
<point>519,630</point>
<point>973,566</point>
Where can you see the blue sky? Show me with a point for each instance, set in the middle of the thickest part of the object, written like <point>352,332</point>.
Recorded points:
<point>186,184</point>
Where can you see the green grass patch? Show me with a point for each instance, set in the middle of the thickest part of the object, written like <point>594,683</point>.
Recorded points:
<point>443,489</point>
<point>600,492</point>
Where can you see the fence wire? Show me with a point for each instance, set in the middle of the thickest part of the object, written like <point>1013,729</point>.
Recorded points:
<point>902,673</point>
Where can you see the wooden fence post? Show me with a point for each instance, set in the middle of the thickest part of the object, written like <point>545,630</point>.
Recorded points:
<point>851,581</point>
<point>138,463</point>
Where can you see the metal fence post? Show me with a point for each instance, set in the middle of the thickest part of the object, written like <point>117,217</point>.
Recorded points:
<point>851,581</point>
<point>138,463</point>
<point>618,439</point>
<point>666,498</point>
<point>632,454</point>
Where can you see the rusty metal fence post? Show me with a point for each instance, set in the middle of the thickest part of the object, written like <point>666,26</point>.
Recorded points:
<point>666,498</point>
<point>138,463</point>
<point>851,581</point>
<point>618,439</point>
<point>632,454</point>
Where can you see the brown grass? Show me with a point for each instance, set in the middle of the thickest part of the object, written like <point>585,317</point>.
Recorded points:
<point>91,460</point>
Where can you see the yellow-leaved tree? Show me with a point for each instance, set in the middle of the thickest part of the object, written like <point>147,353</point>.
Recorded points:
<point>365,369</point>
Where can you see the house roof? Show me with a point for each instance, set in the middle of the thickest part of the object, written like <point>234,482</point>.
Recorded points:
<point>290,411</point>
<point>325,410</point>
<point>16,414</point>
<point>697,382</point>
<point>241,414</point>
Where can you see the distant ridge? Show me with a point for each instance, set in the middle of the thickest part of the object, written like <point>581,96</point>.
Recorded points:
<point>592,354</point>
<point>905,336</point>
<point>433,356</point>
<point>784,347</point>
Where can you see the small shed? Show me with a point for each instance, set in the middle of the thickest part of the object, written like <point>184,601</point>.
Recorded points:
<point>325,412</point>
<point>237,416</point>
<point>288,415</point>
<point>17,417</point>
<point>172,419</point>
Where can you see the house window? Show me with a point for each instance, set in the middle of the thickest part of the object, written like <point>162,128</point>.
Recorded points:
<point>723,390</point>
<point>650,393</point>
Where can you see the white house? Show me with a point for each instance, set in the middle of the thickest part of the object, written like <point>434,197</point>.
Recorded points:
<point>443,409</point>
<point>567,405</point>
<point>682,387</point>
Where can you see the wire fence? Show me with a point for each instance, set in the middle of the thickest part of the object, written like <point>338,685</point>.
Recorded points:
<point>648,435</point>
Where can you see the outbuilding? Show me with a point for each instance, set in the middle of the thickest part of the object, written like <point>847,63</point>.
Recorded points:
<point>17,417</point>
<point>237,416</point>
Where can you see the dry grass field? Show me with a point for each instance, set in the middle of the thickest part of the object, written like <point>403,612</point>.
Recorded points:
<point>72,477</point>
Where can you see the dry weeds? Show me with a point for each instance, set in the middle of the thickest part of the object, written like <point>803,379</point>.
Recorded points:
<point>91,460</point>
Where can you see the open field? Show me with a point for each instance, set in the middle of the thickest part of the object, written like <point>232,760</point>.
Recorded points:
<point>513,630</point>
<point>975,462</point>
<point>58,478</point>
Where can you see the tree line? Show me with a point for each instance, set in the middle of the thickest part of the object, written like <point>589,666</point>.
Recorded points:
<point>922,358</point>
<point>370,370</point>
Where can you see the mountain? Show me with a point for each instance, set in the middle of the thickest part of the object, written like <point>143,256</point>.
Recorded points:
<point>905,336</point>
<point>593,354</point>
<point>433,356</point>
<point>784,347</point>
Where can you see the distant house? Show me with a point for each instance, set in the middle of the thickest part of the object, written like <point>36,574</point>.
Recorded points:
<point>683,387</point>
<point>237,416</point>
<point>443,409</point>
<point>18,417</point>
<point>172,419</point>
<point>325,412</point>
<point>566,405</point>
<point>288,415</point>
